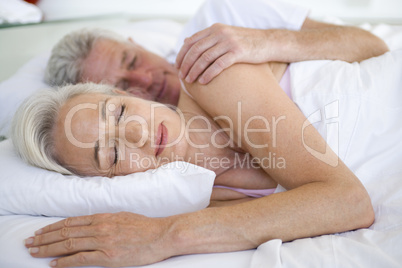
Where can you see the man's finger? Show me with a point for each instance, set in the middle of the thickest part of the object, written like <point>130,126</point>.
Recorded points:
<point>188,43</point>
<point>194,53</point>
<point>217,67</point>
<point>205,60</point>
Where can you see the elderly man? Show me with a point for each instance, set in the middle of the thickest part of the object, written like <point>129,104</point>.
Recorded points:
<point>275,31</point>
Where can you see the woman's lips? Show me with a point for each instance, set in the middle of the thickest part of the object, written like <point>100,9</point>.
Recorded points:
<point>161,139</point>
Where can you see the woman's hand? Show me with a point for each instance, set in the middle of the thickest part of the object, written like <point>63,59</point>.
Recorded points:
<point>120,239</point>
<point>208,52</point>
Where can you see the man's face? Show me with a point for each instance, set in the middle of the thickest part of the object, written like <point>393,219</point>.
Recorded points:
<point>132,68</point>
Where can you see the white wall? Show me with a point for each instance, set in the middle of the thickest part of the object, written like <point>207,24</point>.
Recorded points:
<point>389,11</point>
<point>22,43</point>
<point>67,9</point>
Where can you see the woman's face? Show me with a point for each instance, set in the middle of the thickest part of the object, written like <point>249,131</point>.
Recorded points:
<point>98,134</point>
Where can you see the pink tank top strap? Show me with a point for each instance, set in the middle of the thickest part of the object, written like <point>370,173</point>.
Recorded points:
<point>185,89</point>
<point>285,83</point>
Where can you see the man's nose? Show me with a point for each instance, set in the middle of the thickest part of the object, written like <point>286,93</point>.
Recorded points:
<point>139,78</point>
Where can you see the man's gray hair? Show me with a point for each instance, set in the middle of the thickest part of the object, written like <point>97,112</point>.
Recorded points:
<point>67,57</point>
<point>33,124</point>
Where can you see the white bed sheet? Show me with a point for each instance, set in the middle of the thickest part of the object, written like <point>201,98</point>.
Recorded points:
<point>378,246</point>
<point>13,254</point>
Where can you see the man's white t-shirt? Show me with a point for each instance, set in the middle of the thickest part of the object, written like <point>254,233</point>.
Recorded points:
<point>258,14</point>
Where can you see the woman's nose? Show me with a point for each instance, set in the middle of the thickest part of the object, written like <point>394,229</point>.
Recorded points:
<point>134,131</point>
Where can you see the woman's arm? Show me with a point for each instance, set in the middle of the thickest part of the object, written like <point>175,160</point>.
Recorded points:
<point>324,195</point>
<point>205,54</point>
<point>321,198</point>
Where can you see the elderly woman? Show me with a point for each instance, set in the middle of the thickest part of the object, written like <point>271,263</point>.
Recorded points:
<point>242,115</point>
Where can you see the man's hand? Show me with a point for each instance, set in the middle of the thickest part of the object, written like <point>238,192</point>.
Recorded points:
<point>120,239</point>
<point>208,52</point>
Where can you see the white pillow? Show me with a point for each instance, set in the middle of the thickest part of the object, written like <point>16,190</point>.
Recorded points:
<point>174,188</point>
<point>26,81</point>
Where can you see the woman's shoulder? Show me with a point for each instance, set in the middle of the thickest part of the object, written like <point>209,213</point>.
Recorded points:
<point>187,104</point>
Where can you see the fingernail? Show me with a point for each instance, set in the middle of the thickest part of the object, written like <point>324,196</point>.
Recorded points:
<point>28,241</point>
<point>38,232</point>
<point>33,250</point>
<point>53,263</point>
<point>181,75</point>
<point>188,79</point>
<point>201,80</point>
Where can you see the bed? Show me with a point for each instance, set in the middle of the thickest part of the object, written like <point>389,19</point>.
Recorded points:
<point>365,132</point>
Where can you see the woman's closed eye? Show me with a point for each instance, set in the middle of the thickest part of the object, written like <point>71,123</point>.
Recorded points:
<point>120,115</point>
<point>123,107</point>
<point>116,155</point>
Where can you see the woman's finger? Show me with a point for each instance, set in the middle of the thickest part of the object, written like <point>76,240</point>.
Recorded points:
<point>65,247</point>
<point>91,258</point>
<point>206,59</point>
<point>61,234</point>
<point>69,222</point>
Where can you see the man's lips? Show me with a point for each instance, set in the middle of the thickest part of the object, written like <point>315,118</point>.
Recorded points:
<point>161,139</point>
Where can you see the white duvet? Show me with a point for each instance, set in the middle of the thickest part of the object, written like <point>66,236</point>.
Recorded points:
<point>361,119</point>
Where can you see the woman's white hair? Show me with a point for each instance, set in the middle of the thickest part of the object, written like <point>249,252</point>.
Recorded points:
<point>67,57</point>
<point>33,123</point>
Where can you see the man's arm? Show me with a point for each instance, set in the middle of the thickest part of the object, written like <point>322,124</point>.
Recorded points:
<point>208,52</point>
<point>318,40</point>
